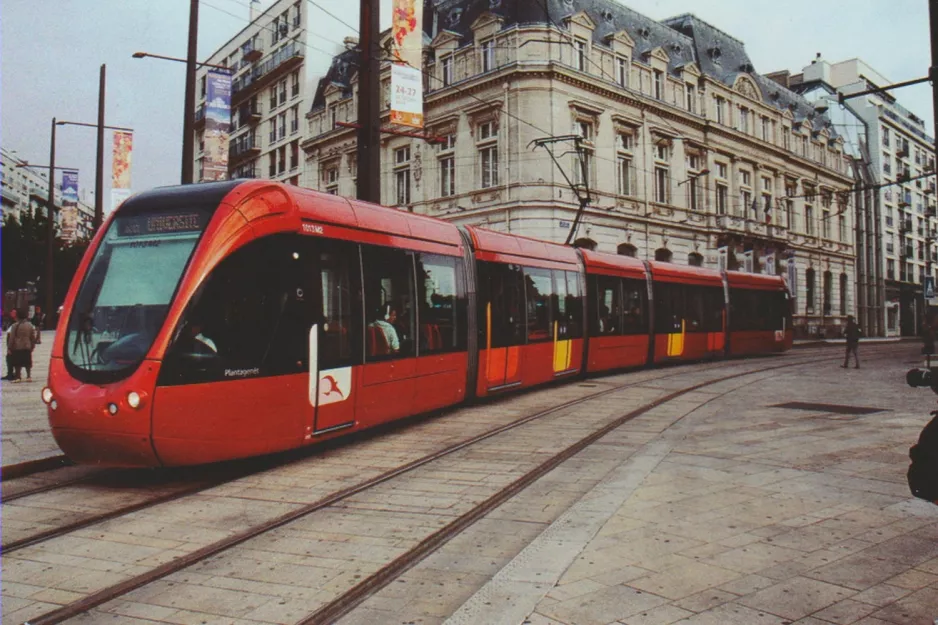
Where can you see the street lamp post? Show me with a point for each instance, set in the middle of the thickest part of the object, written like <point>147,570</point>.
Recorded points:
<point>99,166</point>
<point>188,123</point>
<point>188,127</point>
<point>50,227</point>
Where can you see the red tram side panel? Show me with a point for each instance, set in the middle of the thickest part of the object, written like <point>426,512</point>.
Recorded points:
<point>760,314</point>
<point>689,312</point>
<point>529,311</point>
<point>234,412</point>
<point>618,309</point>
<point>227,320</point>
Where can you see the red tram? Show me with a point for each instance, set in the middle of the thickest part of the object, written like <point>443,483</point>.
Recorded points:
<point>233,319</point>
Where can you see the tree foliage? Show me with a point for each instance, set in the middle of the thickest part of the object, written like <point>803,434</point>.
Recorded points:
<point>23,256</point>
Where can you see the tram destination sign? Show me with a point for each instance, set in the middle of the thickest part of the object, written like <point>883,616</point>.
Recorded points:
<point>161,223</point>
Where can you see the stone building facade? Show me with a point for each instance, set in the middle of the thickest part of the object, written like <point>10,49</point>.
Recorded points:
<point>274,62</point>
<point>26,189</point>
<point>688,154</point>
<point>900,154</point>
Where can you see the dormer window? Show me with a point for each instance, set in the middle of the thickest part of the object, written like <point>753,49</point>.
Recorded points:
<point>447,68</point>
<point>579,60</point>
<point>659,85</point>
<point>622,71</point>
<point>488,55</point>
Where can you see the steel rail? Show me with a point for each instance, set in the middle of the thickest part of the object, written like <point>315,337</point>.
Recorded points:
<point>358,593</point>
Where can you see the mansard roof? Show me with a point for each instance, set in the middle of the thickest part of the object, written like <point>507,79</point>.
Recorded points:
<point>344,66</point>
<point>685,39</point>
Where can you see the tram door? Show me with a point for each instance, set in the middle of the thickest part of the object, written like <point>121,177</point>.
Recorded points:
<point>501,324</point>
<point>333,336</point>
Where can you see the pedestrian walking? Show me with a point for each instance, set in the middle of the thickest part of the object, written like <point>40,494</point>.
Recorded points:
<point>21,341</point>
<point>852,334</point>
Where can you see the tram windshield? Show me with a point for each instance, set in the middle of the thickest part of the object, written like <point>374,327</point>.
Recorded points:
<point>126,293</point>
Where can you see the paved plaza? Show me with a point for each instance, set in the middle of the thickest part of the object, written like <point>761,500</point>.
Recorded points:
<point>773,498</point>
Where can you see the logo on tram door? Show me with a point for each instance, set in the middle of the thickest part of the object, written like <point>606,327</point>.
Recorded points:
<point>779,336</point>
<point>335,385</point>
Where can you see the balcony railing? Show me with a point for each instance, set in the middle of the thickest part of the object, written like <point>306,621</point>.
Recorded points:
<point>287,53</point>
<point>245,172</point>
<point>252,52</point>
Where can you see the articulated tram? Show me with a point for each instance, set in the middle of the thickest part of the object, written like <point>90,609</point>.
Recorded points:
<point>225,320</point>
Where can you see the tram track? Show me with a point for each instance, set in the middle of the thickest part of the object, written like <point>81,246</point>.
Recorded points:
<point>266,463</point>
<point>348,600</point>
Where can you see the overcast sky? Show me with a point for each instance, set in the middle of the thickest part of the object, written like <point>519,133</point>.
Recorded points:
<point>51,54</point>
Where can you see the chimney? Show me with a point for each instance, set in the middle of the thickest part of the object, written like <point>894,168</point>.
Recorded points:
<point>350,43</point>
<point>254,9</point>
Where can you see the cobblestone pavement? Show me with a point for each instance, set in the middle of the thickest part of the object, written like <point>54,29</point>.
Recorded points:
<point>26,433</point>
<point>744,512</point>
<point>716,507</point>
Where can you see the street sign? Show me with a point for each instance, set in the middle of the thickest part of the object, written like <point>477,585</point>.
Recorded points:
<point>564,224</point>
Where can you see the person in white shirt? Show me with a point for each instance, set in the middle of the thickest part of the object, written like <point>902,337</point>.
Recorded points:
<point>386,325</point>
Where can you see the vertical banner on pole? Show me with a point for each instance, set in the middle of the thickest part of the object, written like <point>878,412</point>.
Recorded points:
<point>68,227</point>
<point>217,126</point>
<point>120,167</point>
<point>747,261</point>
<point>792,277</point>
<point>722,257</point>
<point>407,63</point>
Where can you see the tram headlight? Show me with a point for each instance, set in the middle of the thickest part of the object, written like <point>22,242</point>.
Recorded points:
<point>133,399</point>
<point>112,408</point>
<point>46,395</point>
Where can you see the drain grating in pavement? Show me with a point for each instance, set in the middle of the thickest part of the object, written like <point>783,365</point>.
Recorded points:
<point>835,408</point>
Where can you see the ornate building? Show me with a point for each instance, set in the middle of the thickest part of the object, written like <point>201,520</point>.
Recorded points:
<point>897,236</point>
<point>686,152</point>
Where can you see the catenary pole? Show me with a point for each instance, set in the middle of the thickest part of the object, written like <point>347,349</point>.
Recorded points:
<point>188,112</point>
<point>99,167</point>
<point>369,109</point>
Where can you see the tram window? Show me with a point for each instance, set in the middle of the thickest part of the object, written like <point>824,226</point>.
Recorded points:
<point>501,303</point>
<point>538,289</point>
<point>574,307</point>
<point>389,312</point>
<point>752,310</point>
<point>606,304</point>
<point>713,302</point>
<point>441,294</point>
<point>693,308</point>
<point>669,307</point>
<point>340,308</point>
<point>559,305</point>
<point>251,317</point>
<point>634,298</point>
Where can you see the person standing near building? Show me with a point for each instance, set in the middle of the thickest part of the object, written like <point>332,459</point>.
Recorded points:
<point>852,334</point>
<point>21,341</point>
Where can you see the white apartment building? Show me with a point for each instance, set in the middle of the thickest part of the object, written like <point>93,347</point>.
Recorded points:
<point>897,149</point>
<point>273,61</point>
<point>27,189</point>
<point>688,150</point>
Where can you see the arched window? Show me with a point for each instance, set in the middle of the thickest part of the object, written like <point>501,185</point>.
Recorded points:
<point>695,260</point>
<point>627,249</point>
<point>586,244</point>
<point>663,254</point>
<point>843,294</point>
<point>809,288</point>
